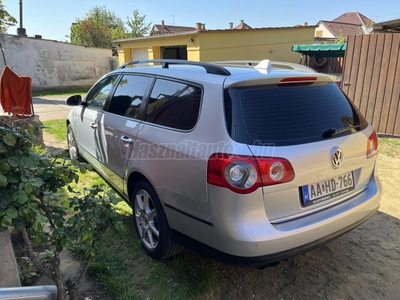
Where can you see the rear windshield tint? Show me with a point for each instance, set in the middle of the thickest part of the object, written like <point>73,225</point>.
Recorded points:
<point>290,114</point>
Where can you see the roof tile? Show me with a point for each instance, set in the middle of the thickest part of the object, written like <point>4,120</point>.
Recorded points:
<point>159,29</point>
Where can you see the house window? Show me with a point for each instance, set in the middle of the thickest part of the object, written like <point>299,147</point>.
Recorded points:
<point>174,52</point>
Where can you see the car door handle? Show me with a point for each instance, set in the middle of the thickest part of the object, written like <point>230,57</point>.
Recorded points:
<point>93,125</point>
<point>126,139</point>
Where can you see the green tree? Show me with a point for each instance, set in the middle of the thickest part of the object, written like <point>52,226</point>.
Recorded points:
<point>340,39</point>
<point>6,20</point>
<point>138,26</point>
<point>98,29</point>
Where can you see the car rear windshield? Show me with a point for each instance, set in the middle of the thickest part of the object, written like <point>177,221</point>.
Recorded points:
<point>288,114</point>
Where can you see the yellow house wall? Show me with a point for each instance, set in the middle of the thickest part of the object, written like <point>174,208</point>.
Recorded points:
<point>256,44</point>
<point>124,55</point>
<point>154,44</point>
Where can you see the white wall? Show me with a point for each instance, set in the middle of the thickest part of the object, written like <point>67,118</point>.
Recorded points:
<point>52,64</point>
<point>326,33</point>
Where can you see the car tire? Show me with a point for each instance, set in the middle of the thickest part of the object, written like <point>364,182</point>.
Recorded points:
<point>72,144</point>
<point>151,222</point>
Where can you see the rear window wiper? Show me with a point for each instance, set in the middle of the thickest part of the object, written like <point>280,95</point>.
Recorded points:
<point>331,132</point>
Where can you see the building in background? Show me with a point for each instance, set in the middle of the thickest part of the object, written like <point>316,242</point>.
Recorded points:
<point>201,44</point>
<point>350,23</point>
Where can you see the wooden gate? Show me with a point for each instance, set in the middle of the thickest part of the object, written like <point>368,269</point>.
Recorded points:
<point>371,79</point>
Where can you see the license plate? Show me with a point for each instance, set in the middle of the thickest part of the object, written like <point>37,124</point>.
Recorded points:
<point>327,189</point>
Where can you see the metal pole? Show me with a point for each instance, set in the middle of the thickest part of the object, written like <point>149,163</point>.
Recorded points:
<point>45,292</point>
<point>20,15</point>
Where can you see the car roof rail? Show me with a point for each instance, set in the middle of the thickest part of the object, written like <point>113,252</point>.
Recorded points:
<point>275,64</point>
<point>209,67</point>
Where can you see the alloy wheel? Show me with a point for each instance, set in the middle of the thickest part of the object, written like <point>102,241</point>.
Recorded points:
<point>72,148</point>
<point>146,219</point>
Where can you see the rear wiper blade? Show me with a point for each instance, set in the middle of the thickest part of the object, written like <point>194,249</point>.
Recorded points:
<point>331,132</point>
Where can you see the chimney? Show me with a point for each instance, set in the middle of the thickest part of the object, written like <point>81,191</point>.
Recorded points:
<point>230,25</point>
<point>198,26</point>
<point>241,22</point>
<point>162,23</point>
<point>21,32</point>
<point>203,26</point>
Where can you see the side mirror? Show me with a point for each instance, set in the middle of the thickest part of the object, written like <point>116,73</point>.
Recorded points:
<point>74,100</point>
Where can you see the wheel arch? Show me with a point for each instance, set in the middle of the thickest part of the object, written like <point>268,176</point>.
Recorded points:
<point>133,178</point>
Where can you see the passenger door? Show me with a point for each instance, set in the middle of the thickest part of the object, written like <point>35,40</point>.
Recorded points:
<point>166,149</point>
<point>121,122</point>
<point>88,133</point>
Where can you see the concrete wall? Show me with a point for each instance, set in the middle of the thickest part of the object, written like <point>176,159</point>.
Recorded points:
<point>52,64</point>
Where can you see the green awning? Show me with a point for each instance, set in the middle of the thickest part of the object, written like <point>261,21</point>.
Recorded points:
<point>321,50</point>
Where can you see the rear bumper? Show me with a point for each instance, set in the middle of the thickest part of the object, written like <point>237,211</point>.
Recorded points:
<point>250,239</point>
<point>263,260</point>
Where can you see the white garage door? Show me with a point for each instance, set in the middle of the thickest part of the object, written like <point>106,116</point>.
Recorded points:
<point>139,54</point>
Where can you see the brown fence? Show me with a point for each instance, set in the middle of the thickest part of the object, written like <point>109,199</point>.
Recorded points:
<point>371,78</point>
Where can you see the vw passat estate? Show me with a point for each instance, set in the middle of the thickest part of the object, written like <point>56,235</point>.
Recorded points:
<point>249,163</point>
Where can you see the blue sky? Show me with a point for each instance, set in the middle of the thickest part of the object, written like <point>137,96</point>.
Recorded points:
<point>52,18</point>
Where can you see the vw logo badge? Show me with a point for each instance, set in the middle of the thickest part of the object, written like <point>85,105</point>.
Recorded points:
<point>336,157</point>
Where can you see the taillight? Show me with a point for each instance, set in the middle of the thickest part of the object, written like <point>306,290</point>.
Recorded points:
<point>372,145</point>
<point>244,174</point>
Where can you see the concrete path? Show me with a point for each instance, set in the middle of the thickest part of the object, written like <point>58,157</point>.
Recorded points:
<point>51,107</point>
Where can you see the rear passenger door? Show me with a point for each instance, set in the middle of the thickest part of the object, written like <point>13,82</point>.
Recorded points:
<point>166,140</point>
<point>121,122</point>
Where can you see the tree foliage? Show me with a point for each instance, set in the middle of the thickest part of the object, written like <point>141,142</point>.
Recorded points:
<point>100,27</point>
<point>6,20</point>
<point>97,29</point>
<point>138,26</point>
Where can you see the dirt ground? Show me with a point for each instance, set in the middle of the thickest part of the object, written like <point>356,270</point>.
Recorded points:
<point>363,264</point>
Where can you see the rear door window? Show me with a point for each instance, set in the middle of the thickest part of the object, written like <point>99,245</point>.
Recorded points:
<point>290,115</point>
<point>174,104</point>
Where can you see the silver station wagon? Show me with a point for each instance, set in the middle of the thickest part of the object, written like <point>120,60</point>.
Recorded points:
<point>247,163</point>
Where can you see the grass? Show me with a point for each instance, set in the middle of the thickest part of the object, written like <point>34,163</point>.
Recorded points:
<point>389,147</point>
<point>128,273</point>
<point>57,128</point>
